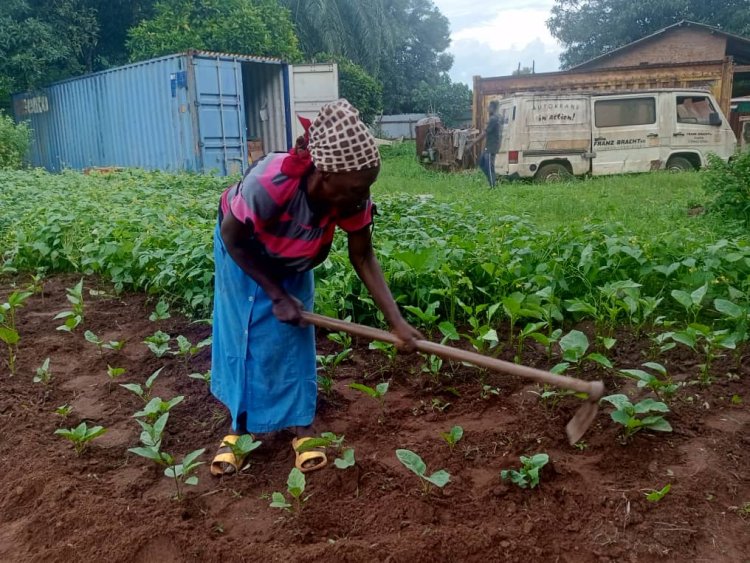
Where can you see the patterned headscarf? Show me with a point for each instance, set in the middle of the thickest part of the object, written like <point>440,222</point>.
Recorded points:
<point>339,141</point>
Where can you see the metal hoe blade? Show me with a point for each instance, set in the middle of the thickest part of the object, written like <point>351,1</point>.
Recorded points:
<point>585,415</point>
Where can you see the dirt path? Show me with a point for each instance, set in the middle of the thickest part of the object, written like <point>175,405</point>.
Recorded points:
<point>111,505</point>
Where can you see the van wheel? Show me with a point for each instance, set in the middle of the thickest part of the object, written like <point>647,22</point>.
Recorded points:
<point>552,173</point>
<point>679,164</point>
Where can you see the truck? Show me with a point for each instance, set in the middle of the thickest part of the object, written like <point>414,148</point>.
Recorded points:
<point>549,137</point>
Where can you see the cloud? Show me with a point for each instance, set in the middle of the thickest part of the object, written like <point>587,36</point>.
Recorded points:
<point>491,38</point>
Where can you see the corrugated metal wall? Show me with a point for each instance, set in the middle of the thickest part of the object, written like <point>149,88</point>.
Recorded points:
<point>121,117</point>
<point>265,106</point>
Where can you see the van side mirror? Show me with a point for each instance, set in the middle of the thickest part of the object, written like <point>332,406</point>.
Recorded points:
<point>714,119</point>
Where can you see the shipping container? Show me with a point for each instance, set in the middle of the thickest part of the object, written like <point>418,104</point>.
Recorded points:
<point>196,111</point>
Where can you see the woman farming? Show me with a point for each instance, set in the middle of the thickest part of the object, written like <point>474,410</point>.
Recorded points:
<point>274,227</point>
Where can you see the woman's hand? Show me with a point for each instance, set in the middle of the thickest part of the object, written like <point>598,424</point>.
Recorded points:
<point>408,335</point>
<point>288,309</point>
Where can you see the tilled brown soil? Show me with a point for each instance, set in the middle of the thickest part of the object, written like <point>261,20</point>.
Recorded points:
<point>110,505</point>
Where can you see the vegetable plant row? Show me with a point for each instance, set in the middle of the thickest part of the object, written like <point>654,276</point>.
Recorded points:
<point>446,263</point>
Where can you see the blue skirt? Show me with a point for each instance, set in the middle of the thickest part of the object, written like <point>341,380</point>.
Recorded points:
<point>263,370</point>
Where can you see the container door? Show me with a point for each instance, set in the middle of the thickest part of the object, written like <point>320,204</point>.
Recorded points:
<point>221,115</point>
<point>310,87</point>
<point>626,135</point>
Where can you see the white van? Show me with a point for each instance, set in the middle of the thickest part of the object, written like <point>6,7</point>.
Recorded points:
<point>551,136</point>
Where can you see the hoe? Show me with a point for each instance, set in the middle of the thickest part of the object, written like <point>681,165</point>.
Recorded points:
<point>575,429</point>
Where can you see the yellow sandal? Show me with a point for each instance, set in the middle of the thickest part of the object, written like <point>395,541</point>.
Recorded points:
<point>217,467</point>
<point>304,457</point>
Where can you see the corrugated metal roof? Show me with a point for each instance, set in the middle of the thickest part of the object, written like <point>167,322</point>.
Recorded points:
<point>681,23</point>
<point>236,56</point>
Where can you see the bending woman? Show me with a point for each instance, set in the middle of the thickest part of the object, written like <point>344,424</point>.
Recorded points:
<point>274,227</point>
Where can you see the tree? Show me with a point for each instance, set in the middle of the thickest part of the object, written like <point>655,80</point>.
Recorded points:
<point>450,100</point>
<point>590,28</point>
<point>43,41</point>
<point>257,27</point>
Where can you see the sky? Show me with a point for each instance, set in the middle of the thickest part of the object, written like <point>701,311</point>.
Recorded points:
<point>490,37</point>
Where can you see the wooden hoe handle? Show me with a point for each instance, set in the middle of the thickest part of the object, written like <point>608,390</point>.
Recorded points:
<point>594,389</point>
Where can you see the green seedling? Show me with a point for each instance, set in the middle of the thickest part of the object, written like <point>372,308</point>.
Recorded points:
<point>690,301</point>
<point>547,340</point>
<point>74,317</point>
<point>346,460</point>
<point>528,331</point>
<point>9,333</point>
<point>428,316</point>
<point>43,373</point>
<point>94,339</point>
<point>489,391</point>
<point>528,474</point>
<point>702,339</point>
<point>551,397</point>
<point>114,345</point>
<point>662,388</point>
<point>377,393</point>
<point>656,496</point>
<point>325,384</point>
<point>437,404</point>
<point>341,338</point>
<point>186,350</point>
<point>414,463</point>
<point>580,445</point>
<point>157,407</point>
<point>204,377</point>
<point>453,436</point>
<point>433,364</point>
<point>245,444</point>
<point>183,473</point>
<point>636,417</point>
<point>113,374</point>
<point>295,486</point>
<point>144,392</point>
<point>161,312</point>
<point>574,346</point>
<point>389,350</point>
<point>151,435</point>
<point>517,307</point>
<point>330,362</point>
<point>736,400</point>
<point>158,343</point>
<point>81,435</point>
<point>10,338</point>
<point>63,411</point>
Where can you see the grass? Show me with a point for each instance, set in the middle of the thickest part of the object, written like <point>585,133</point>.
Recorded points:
<point>649,205</point>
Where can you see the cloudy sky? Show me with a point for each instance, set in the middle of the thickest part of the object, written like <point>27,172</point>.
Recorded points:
<point>491,37</point>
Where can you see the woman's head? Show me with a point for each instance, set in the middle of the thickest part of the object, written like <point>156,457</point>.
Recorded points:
<point>345,156</point>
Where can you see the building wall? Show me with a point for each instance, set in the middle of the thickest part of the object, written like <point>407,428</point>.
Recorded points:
<point>679,45</point>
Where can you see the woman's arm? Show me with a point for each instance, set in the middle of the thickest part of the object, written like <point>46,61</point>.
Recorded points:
<point>362,257</point>
<point>236,235</point>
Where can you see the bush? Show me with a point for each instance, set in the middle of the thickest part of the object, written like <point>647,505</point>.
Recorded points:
<point>728,186</point>
<point>14,142</point>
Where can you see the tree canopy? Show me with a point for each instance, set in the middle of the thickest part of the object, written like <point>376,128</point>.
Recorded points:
<point>589,28</point>
<point>392,53</point>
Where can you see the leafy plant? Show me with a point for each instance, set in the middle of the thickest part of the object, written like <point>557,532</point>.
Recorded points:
<point>690,301</point>
<point>186,350</point>
<point>729,188</point>
<point>389,350</point>
<point>551,397</point>
<point>204,377</point>
<point>81,435</point>
<point>161,312</point>
<point>184,473</point>
<point>378,392</point>
<point>701,338</point>
<point>414,463</point>
<point>157,407</point>
<point>158,343</point>
<point>74,317</point>
<point>489,391</point>
<point>453,436</point>
<point>656,496</point>
<point>9,333</point>
<point>574,346</point>
<point>662,388</point>
<point>43,373</point>
<point>113,374</point>
<point>528,474</point>
<point>151,436</point>
<point>295,486</point>
<point>144,392</point>
<point>636,417</point>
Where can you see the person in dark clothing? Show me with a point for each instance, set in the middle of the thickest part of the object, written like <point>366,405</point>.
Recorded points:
<point>493,133</point>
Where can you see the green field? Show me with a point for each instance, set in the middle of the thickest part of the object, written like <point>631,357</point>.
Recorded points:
<point>612,249</point>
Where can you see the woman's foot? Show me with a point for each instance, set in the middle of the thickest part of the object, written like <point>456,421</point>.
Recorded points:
<point>225,463</point>
<point>309,460</point>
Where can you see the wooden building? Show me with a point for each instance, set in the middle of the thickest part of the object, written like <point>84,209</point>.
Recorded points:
<point>683,55</point>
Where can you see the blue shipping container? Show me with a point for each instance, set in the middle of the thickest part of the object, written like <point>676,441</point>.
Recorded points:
<point>193,111</point>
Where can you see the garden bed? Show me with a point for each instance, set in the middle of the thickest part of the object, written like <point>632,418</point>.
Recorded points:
<point>590,504</point>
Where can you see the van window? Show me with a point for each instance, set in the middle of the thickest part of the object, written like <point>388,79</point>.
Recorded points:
<point>628,111</point>
<point>694,109</point>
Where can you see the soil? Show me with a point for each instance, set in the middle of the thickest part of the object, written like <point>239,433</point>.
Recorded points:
<point>108,504</point>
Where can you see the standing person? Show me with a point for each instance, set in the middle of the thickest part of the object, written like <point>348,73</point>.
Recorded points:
<point>274,227</point>
<point>493,133</point>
